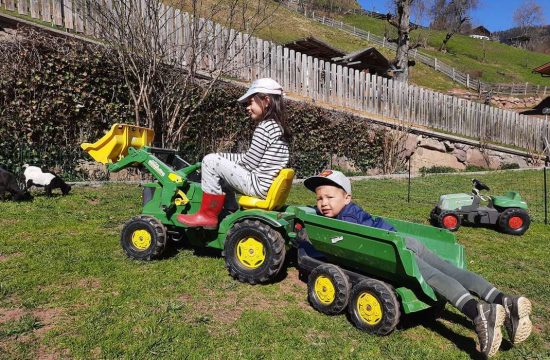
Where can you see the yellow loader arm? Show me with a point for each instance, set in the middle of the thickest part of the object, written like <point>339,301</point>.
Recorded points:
<point>114,145</point>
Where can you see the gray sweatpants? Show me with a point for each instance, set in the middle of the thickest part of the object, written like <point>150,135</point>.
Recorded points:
<point>219,175</point>
<point>449,281</point>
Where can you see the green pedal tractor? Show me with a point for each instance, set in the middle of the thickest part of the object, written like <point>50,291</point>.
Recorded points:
<point>365,270</point>
<point>508,212</point>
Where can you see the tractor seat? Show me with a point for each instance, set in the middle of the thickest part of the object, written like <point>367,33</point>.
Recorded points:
<point>276,196</point>
<point>510,195</point>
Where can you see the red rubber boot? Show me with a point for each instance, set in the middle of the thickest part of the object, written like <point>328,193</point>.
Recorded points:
<point>207,216</point>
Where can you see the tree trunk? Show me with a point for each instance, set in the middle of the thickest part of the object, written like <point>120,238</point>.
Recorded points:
<point>403,29</point>
<point>445,41</point>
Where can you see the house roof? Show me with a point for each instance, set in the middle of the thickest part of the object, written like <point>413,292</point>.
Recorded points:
<point>315,47</point>
<point>365,58</point>
<point>368,58</point>
<point>544,70</point>
<point>481,30</point>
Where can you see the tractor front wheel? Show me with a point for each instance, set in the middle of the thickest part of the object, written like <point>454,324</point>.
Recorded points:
<point>514,221</point>
<point>254,252</point>
<point>328,289</point>
<point>373,307</point>
<point>143,238</point>
<point>449,220</point>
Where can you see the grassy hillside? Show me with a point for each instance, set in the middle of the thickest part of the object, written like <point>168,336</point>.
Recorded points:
<point>286,25</point>
<point>495,62</point>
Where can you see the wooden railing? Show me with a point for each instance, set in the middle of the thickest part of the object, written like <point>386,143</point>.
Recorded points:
<point>457,76</point>
<point>327,82</point>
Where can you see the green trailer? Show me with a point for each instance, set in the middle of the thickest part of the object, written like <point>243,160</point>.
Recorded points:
<point>367,270</point>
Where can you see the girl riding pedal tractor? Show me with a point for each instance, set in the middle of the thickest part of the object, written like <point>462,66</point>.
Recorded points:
<point>250,173</point>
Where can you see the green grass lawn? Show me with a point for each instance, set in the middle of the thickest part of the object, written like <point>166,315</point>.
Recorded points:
<point>68,291</point>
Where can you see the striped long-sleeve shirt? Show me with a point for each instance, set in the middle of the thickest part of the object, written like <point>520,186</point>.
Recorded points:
<point>267,155</point>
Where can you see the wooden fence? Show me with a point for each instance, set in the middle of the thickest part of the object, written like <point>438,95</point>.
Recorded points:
<point>329,83</point>
<point>433,62</point>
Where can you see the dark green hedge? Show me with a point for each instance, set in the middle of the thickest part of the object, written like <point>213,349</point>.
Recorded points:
<point>57,93</point>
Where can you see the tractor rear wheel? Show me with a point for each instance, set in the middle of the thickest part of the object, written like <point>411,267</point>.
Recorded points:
<point>328,289</point>
<point>514,221</point>
<point>254,252</point>
<point>449,220</point>
<point>373,307</point>
<point>143,238</point>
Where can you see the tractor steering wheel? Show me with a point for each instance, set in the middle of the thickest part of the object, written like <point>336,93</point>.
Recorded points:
<point>479,185</point>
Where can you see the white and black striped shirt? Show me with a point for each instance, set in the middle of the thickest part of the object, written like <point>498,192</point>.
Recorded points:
<point>267,155</point>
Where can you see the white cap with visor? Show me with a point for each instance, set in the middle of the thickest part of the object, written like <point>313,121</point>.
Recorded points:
<point>329,177</point>
<point>265,86</point>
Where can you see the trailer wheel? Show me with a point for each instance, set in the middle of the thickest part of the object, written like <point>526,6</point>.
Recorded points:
<point>449,220</point>
<point>514,221</point>
<point>143,238</point>
<point>254,252</point>
<point>328,289</point>
<point>373,307</point>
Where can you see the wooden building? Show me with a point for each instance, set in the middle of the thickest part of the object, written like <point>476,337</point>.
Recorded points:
<point>368,60</point>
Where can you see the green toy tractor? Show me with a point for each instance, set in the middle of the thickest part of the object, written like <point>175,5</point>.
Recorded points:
<point>508,212</point>
<point>365,270</point>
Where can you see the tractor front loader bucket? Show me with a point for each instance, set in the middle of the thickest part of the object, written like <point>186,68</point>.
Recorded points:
<point>114,145</point>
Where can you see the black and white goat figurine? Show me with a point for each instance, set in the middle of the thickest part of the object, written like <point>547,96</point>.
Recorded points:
<point>8,183</point>
<point>35,176</point>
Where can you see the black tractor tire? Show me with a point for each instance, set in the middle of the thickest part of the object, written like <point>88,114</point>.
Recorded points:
<point>514,221</point>
<point>373,307</point>
<point>143,238</point>
<point>449,220</point>
<point>254,252</point>
<point>328,289</point>
<point>434,217</point>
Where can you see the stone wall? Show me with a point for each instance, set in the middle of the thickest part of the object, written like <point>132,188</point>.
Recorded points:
<point>428,152</point>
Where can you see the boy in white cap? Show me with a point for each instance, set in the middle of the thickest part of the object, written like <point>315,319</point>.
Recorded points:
<point>333,192</point>
<point>250,173</point>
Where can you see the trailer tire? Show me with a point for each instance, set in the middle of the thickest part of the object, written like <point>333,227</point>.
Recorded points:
<point>514,221</point>
<point>328,289</point>
<point>373,307</point>
<point>449,220</point>
<point>143,238</point>
<point>254,252</point>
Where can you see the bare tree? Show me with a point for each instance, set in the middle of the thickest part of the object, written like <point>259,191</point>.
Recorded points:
<point>451,16</point>
<point>528,14</point>
<point>403,25</point>
<point>165,51</point>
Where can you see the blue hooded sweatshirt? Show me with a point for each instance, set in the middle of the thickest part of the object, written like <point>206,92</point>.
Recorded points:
<point>354,214</point>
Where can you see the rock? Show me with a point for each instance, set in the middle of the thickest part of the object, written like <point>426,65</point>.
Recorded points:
<point>343,163</point>
<point>432,144</point>
<point>410,145</point>
<point>424,157</point>
<point>448,146</point>
<point>460,154</point>
<point>477,158</point>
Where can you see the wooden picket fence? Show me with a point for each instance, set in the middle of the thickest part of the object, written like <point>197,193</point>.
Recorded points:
<point>327,82</point>
<point>521,89</point>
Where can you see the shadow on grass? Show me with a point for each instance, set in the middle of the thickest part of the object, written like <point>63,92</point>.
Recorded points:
<point>434,323</point>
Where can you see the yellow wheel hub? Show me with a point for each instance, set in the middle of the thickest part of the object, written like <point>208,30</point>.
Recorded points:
<point>324,290</point>
<point>369,309</point>
<point>251,253</point>
<point>141,239</point>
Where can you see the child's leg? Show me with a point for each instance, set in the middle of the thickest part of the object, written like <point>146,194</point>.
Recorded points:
<point>217,169</point>
<point>469,280</point>
<point>487,318</point>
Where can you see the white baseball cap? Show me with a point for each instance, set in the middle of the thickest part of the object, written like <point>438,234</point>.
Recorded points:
<point>264,85</point>
<point>329,177</point>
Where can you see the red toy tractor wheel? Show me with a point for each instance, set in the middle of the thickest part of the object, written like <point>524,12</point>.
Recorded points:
<point>514,221</point>
<point>449,220</point>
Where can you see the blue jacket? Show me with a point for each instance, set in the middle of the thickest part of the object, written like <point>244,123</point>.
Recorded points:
<point>354,214</point>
